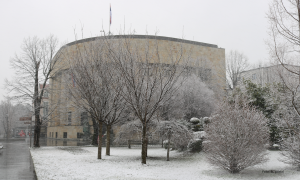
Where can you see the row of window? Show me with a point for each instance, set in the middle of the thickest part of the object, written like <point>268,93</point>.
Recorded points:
<point>204,73</point>
<point>65,135</point>
<point>51,134</point>
<point>83,118</point>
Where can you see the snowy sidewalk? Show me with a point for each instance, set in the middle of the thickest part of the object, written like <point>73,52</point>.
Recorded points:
<point>82,163</point>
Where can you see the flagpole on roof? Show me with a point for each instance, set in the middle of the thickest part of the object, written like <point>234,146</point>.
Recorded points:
<point>109,18</point>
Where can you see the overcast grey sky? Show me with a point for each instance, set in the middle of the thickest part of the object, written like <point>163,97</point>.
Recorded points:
<point>230,24</point>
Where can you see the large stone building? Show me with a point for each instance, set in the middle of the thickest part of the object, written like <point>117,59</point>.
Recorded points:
<point>69,122</point>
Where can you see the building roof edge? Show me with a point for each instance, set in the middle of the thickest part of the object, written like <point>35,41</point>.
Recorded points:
<point>144,37</point>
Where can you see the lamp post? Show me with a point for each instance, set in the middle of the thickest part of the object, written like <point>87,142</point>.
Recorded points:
<point>30,132</point>
<point>7,126</point>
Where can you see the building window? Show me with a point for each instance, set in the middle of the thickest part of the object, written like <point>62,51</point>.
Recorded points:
<point>56,135</point>
<point>84,118</point>
<point>45,109</point>
<point>45,94</point>
<point>69,118</point>
<point>49,134</point>
<point>253,76</point>
<point>65,135</point>
<point>79,135</point>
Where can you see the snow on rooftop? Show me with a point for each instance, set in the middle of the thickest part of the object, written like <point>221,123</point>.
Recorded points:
<point>82,163</point>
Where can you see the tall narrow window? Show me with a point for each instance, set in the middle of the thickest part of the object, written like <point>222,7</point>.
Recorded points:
<point>45,94</point>
<point>65,135</point>
<point>79,135</point>
<point>69,118</point>
<point>45,109</point>
<point>84,118</point>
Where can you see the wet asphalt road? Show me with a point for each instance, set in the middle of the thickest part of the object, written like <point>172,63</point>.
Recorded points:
<point>15,161</point>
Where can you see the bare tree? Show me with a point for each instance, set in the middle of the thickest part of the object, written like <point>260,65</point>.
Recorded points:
<point>284,49</point>
<point>174,132</point>
<point>33,67</point>
<point>236,137</point>
<point>132,130</point>
<point>193,99</point>
<point>10,114</point>
<point>236,63</point>
<point>148,78</point>
<point>196,97</point>
<point>7,115</point>
<point>95,88</point>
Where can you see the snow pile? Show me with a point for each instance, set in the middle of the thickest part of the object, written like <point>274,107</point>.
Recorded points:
<point>82,163</point>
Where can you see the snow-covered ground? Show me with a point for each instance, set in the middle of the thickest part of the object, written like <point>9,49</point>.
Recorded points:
<point>82,163</point>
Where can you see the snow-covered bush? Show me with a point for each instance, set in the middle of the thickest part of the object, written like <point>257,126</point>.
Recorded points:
<point>205,120</point>
<point>195,145</point>
<point>195,120</point>
<point>199,134</point>
<point>196,124</point>
<point>276,147</point>
<point>236,137</point>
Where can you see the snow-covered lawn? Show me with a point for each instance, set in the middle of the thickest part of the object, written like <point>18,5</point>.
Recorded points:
<point>82,163</point>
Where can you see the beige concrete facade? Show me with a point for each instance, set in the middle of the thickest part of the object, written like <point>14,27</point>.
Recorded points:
<point>204,59</point>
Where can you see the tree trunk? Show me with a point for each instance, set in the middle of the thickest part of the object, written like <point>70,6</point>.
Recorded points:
<point>233,166</point>
<point>95,135</point>
<point>108,140</point>
<point>100,139</point>
<point>37,130</point>
<point>37,127</point>
<point>37,108</point>
<point>129,146</point>
<point>144,144</point>
<point>147,147</point>
<point>168,151</point>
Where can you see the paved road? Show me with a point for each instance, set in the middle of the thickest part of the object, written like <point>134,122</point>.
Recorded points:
<point>15,161</point>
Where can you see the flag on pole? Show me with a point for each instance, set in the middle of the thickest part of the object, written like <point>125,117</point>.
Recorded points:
<point>110,16</point>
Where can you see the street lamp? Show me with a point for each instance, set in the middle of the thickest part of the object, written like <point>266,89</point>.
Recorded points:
<point>7,127</point>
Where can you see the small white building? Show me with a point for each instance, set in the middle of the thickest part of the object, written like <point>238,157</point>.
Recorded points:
<point>268,75</point>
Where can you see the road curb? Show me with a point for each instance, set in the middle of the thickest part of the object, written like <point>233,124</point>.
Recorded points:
<point>34,172</point>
